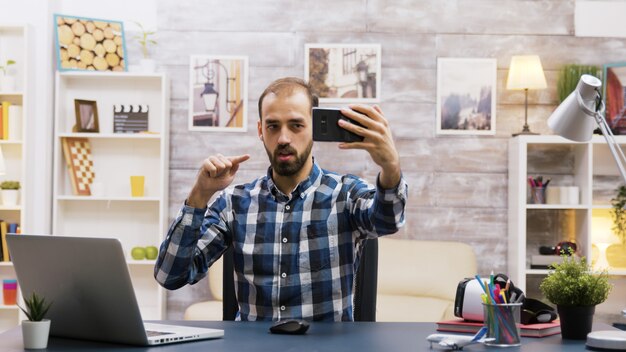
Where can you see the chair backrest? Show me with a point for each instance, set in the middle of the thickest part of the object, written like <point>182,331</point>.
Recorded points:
<point>364,288</point>
<point>419,278</point>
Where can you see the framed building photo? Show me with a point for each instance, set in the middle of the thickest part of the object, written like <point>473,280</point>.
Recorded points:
<point>466,96</point>
<point>343,72</point>
<point>218,93</point>
<point>89,44</point>
<point>86,115</point>
<point>614,86</point>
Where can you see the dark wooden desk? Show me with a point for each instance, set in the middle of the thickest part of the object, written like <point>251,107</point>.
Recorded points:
<point>254,336</point>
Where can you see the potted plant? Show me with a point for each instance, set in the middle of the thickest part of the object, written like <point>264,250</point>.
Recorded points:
<point>575,289</point>
<point>616,252</point>
<point>618,213</point>
<point>146,64</point>
<point>7,82</point>
<point>569,75</point>
<point>36,329</point>
<point>10,190</point>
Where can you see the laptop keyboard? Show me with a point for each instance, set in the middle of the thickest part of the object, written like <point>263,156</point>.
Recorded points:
<point>152,333</point>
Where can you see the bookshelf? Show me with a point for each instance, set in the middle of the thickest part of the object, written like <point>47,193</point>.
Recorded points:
<point>588,166</point>
<point>15,44</point>
<point>135,221</point>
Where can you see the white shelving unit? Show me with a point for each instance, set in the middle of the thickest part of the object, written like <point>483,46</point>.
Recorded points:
<point>586,165</point>
<point>135,221</point>
<point>15,44</point>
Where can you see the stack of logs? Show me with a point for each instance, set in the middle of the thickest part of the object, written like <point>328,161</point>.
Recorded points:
<point>90,45</point>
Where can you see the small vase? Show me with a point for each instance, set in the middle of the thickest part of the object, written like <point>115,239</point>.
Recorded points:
<point>576,321</point>
<point>7,83</point>
<point>35,333</point>
<point>147,65</point>
<point>9,197</point>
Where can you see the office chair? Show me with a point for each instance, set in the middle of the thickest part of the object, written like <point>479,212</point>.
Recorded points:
<point>364,290</point>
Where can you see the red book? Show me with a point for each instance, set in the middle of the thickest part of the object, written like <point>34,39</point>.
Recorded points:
<point>472,327</point>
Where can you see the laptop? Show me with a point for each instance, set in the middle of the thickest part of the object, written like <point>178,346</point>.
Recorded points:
<point>88,283</point>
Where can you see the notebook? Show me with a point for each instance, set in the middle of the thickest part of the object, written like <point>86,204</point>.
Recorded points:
<point>530,330</point>
<point>88,283</point>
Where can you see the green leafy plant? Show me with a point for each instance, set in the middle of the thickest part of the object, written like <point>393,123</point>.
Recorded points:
<point>574,283</point>
<point>10,185</point>
<point>144,40</point>
<point>6,65</point>
<point>569,75</point>
<point>618,213</point>
<point>36,307</point>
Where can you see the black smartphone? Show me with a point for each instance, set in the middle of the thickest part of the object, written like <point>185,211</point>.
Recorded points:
<point>327,129</point>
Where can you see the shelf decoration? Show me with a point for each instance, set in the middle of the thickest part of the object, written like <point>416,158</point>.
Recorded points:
<point>77,153</point>
<point>130,118</point>
<point>89,44</point>
<point>86,115</point>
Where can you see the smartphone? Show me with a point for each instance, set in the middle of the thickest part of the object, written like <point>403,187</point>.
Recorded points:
<point>327,129</point>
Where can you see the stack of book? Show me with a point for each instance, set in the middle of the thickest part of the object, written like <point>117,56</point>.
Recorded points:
<point>4,229</point>
<point>472,327</point>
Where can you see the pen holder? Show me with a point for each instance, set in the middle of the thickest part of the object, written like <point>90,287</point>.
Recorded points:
<point>537,195</point>
<point>503,324</point>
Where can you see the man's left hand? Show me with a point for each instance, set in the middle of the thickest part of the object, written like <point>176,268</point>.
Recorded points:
<point>377,141</point>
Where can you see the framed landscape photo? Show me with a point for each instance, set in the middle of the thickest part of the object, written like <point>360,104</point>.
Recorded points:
<point>344,72</point>
<point>614,86</point>
<point>89,44</point>
<point>466,96</point>
<point>86,115</point>
<point>218,93</point>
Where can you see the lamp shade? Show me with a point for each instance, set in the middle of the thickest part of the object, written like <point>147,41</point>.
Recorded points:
<point>526,72</point>
<point>573,119</point>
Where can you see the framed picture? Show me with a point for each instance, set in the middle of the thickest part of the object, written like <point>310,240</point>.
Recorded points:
<point>86,115</point>
<point>466,96</point>
<point>89,44</point>
<point>614,91</point>
<point>218,93</point>
<point>343,72</point>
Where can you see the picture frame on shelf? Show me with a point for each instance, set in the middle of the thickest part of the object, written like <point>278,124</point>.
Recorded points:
<point>83,43</point>
<point>218,93</point>
<point>614,88</point>
<point>340,73</point>
<point>86,115</point>
<point>466,96</point>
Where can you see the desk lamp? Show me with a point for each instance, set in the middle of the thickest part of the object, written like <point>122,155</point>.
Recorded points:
<point>575,119</point>
<point>525,72</point>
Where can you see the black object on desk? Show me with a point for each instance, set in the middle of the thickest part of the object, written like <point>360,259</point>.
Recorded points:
<point>290,327</point>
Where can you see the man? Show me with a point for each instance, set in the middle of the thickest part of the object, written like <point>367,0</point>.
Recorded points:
<point>297,232</point>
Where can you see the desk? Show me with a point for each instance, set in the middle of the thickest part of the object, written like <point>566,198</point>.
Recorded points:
<point>254,336</point>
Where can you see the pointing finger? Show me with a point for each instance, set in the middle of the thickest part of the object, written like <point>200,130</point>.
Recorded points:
<point>239,159</point>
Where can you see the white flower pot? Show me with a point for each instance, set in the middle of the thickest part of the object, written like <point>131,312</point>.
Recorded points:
<point>35,333</point>
<point>147,65</point>
<point>9,196</point>
<point>7,83</point>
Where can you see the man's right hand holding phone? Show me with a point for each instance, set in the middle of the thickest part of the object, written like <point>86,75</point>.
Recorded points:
<point>377,140</point>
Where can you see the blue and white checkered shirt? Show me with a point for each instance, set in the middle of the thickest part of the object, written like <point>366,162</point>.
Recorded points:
<point>294,256</point>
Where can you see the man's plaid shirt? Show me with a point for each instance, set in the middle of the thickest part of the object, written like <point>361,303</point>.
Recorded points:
<point>294,256</point>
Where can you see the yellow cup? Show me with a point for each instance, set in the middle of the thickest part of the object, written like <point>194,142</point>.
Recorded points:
<point>137,186</point>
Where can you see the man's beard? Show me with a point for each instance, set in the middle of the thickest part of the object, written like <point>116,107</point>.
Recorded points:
<point>292,167</point>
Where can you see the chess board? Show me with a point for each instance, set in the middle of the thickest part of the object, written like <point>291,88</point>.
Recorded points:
<point>77,153</point>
